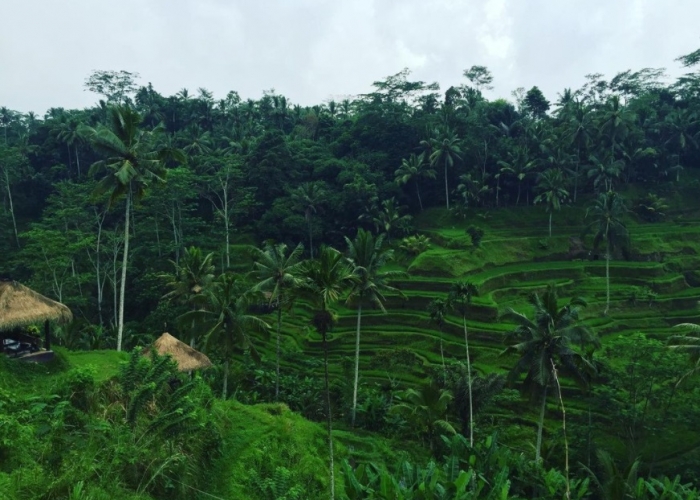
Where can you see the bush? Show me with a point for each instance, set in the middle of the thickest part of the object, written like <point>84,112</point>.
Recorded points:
<point>415,245</point>
<point>476,234</point>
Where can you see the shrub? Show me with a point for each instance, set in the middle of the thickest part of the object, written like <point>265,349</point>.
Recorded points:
<point>476,234</point>
<point>415,245</point>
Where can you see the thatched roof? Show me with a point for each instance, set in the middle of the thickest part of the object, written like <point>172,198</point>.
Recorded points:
<point>21,306</point>
<point>187,359</point>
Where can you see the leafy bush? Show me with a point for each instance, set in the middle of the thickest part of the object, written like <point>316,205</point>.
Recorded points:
<point>415,245</point>
<point>476,234</point>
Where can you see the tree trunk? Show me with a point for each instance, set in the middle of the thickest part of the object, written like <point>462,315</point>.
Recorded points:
<point>469,382</point>
<point>225,390</point>
<point>540,425</point>
<point>311,243</point>
<point>277,367</point>
<point>12,207</point>
<point>442,355</point>
<point>578,163</point>
<point>607,278</point>
<point>228,239</point>
<point>550,224</point>
<point>447,192</point>
<point>517,200</point>
<point>125,258</point>
<point>357,363</point>
<point>330,417</point>
<point>420,201</point>
<point>77,160</point>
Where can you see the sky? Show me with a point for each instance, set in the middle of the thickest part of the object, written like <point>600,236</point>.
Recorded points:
<point>312,51</point>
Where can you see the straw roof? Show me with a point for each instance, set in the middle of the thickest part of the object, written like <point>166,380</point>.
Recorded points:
<point>187,359</point>
<point>21,306</point>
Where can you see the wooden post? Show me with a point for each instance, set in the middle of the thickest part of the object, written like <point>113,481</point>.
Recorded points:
<point>47,335</point>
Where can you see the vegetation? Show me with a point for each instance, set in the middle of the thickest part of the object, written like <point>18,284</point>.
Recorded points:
<point>191,219</point>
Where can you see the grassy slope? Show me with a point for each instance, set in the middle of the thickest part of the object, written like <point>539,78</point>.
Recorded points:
<point>516,257</point>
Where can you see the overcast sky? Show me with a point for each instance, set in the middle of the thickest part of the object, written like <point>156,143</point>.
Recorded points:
<point>315,50</point>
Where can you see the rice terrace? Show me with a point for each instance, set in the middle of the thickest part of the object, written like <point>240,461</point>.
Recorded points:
<point>411,293</point>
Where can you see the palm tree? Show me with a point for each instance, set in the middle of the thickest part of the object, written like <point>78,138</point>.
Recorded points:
<point>428,405</point>
<point>519,164</point>
<point>437,309</point>
<point>414,169</point>
<point>389,218</point>
<point>445,151</point>
<point>278,275</point>
<point>459,299</point>
<point>135,161</point>
<point>580,124</point>
<point>191,281</point>
<point>69,134</point>
<point>225,320</point>
<point>552,192</point>
<point>603,173</point>
<point>607,211</point>
<point>308,197</point>
<point>689,343</point>
<point>616,120</point>
<point>325,280</point>
<point>368,256</point>
<point>547,342</point>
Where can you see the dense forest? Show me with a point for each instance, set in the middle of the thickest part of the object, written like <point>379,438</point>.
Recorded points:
<point>453,297</point>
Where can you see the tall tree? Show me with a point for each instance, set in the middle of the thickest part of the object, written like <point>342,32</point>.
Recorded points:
<point>308,197</point>
<point>553,193</point>
<point>414,168</point>
<point>607,213</point>
<point>278,275</point>
<point>437,308</point>
<point>225,320</point>
<point>551,340</point>
<point>135,161</point>
<point>460,299</point>
<point>325,280</point>
<point>445,151</point>
<point>480,77</point>
<point>190,282</point>
<point>368,256</point>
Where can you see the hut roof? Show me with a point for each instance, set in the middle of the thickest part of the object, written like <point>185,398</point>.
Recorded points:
<point>187,359</point>
<point>21,306</point>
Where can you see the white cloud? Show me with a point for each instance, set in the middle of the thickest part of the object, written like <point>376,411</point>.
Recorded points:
<point>310,50</point>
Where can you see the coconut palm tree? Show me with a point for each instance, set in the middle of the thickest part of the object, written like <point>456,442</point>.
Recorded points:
<point>308,197</point>
<point>459,299</point>
<point>445,151</point>
<point>553,339</point>
<point>580,125</point>
<point>414,169</point>
<point>607,213</point>
<point>519,165</point>
<point>325,280</point>
<point>428,406</point>
<point>553,193</point>
<point>437,309</point>
<point>135,161</point>
<point>368,256</point>
<point>278,275</point>
<point>227,324</point>
<point>690,344</point>
<point>191,281</point>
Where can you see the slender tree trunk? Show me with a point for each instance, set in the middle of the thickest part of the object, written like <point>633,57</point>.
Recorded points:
<point>357,363</point>
<point>125,259</point>
<point>517,200</point>
<point>578,163</point>
<point>540,426</point>
<point>277,367</point>
<point>12,207</point>
<point>70,160</point>
<point>420,201</point>
<point>155,218</point>
<point>550,224</point>
<point>469,382</point>
<point>228,239</point>
<point>77,160</point>
<point>330,417</point>
<point>607,277</point>
<point>498,188</point>
<point>442,355</point>
<point>447,192</point>
<point>225,390</point>
<point>563,428</point>
<point>311,243</point>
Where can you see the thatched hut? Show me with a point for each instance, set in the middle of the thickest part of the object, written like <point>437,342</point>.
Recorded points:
<point>187,358</point>
<point>20,306</point>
